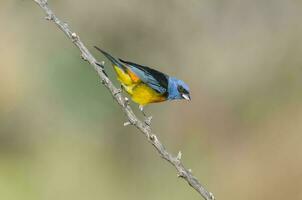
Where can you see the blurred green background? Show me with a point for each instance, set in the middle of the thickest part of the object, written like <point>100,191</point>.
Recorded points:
<point>62,136</point>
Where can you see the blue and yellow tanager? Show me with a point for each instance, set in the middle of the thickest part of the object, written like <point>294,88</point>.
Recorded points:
<point>146,85</point>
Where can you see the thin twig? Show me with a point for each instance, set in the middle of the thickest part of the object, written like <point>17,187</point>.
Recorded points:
<point>182,172</point>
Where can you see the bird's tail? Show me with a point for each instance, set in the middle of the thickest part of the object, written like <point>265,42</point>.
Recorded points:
<point>111,58</point>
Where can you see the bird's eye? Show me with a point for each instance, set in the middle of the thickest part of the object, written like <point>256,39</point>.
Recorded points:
<point>181,89</point>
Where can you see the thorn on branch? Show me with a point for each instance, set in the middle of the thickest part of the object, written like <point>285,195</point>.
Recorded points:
<point>41,2</point>
<point>74,37</point>
<point>127,123</point>
<point>212,196</point>
<point>179,156</point>
<point>148,120</point>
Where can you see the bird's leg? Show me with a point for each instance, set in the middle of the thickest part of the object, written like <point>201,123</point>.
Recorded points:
<point>141,108</point>
<point>147,119</point>
<point>122,87</point>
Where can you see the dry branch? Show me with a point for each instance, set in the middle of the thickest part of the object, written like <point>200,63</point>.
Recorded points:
<point>182,172</point>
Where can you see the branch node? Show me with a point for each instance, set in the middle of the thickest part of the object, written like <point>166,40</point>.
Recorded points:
<point>104,81</point>
<point>101,65</point>
<point>49,17</point>
<point>134,121</point>
<point>84,57</point>
<point>153,137</point>
<point>126,101</point>
<point>180,175</point>
<point>41,2</point>
<point>74,37</point>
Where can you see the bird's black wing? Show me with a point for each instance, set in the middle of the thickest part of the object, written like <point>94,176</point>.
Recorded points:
<point>153,78</point>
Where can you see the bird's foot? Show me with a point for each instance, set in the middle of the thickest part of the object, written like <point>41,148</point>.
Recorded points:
<point>141,108</point>
<point>116,92</point>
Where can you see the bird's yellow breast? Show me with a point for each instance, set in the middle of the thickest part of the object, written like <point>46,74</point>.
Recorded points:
<point>143,94</point>
<point>139,91</point>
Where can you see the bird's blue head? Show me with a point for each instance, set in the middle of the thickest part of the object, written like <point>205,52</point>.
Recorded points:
<point>177,89</point>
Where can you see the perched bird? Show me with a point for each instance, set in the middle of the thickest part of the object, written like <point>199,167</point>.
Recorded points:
<point>146,85</point>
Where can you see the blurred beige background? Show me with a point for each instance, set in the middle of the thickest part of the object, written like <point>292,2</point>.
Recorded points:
<point>61,135</point>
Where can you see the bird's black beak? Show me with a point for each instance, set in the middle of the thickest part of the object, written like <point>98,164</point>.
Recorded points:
<point>186,96</point>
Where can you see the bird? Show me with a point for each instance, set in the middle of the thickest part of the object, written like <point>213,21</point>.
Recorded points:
<point>146,85</point>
